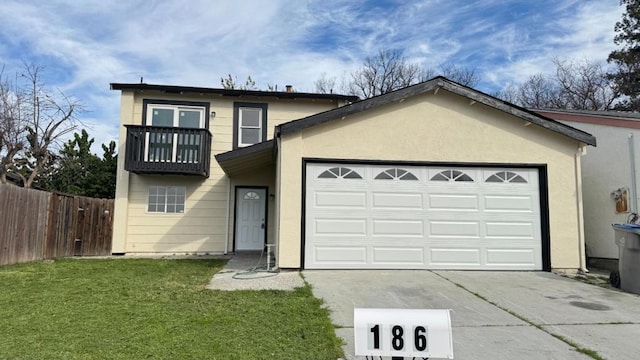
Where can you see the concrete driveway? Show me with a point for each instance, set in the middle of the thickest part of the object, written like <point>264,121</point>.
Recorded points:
<point>495,315</point>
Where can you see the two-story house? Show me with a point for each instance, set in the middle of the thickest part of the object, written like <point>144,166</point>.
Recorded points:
<point>433,176</point>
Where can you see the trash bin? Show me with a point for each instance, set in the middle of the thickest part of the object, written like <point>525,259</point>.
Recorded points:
<point>627,237</point>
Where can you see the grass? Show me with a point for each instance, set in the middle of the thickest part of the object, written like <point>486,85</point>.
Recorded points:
<point>153,309</point>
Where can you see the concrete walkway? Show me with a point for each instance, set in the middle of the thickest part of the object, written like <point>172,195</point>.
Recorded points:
<point>248,271</point>
<point>495,315</point>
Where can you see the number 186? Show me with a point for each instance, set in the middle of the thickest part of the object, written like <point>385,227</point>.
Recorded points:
<point>397,337</point>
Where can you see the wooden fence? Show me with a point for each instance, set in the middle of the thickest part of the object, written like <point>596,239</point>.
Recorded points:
<point>37,225</point>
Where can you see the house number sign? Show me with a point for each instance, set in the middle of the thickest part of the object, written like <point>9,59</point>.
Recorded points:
<point>424,333</point>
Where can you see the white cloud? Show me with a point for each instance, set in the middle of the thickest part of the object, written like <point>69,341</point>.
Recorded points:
<point>89,44</point>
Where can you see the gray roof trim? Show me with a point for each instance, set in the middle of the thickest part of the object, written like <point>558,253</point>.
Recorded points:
<point>630,115</point>
<point>235,93</point>
<point>244,151</point>
<point>432,85</point>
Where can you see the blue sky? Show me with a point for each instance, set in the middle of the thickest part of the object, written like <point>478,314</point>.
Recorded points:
<point>85,45</point>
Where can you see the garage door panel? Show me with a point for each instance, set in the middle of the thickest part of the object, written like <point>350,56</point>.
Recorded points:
<point>511,257</point>
<point>420,223</point>
<point>398,228</point>
<point>399,201</point>
<point>447,229</point>
<point>454,257</point>
<point>510,229</point>
<point>341,199</point>
<point>332,255</point>
<point>454,202</point>
<point>509,203</point>
<point>395,255</point>
<point>337,227</point>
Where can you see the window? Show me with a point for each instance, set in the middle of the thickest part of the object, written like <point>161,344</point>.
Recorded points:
<point>164,143</point>
<point>166,199</point>
<point>251,195</point>
<point>506,177</point>
<point>396,174</point>
<point>249,123</point>
<point>339,172</point>
<point>451,175</point>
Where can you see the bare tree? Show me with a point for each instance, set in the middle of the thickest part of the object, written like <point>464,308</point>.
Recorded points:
<point>12,125</point>
<point>574,85</point>
<point>324,84</point>
<point>539,92</point>
<point>383,73</point>
<point>584,85</point>
<point>231,83</point>
<point>34,121</point>
<point>461,75</point>
<point>387,71</point>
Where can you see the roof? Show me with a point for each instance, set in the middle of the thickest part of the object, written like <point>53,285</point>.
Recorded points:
<point>232,93</point>
<point>433,85</point>
<point>629,115</point>
<point>621,119</point>
<point>247,158</point>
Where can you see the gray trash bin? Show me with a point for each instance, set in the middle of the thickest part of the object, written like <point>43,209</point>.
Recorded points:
<point>627,237</point>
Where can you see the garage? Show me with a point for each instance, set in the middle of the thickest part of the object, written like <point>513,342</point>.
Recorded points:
<point>407,216</point>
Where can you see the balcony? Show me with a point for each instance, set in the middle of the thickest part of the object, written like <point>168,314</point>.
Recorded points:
<point>168,150</point>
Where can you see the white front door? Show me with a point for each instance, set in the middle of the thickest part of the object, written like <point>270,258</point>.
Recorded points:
<point>250,218</point>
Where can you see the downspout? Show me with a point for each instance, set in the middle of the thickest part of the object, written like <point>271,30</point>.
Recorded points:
<point>226,234</point>
<point>634,186</point>
<point>582,150</point>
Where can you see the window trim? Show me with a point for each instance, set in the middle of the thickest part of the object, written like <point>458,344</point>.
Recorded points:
<point>176,116</point>
<point>170,103</point>
<point>236,122</point>
<point>166,188</point>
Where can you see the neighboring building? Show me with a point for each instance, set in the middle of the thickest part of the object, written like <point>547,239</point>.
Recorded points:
<point>607,181</point>
<point>433,176</point>
<point>14,179</point>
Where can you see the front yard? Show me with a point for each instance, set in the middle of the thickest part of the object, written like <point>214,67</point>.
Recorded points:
<point>155,309</point>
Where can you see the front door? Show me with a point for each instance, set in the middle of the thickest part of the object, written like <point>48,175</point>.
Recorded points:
<point>251,219</point>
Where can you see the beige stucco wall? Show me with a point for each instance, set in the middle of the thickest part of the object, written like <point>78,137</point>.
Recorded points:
<point>441,127</point>
<point>207,224</point>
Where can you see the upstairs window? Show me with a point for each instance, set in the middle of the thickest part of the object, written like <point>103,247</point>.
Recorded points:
<point>163,143</point>
<point>250,124</point>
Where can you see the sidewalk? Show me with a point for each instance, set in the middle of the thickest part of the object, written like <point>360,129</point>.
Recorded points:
<point>248,271</point>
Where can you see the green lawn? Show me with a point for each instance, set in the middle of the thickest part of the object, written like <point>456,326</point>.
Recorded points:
<point>153,309</point>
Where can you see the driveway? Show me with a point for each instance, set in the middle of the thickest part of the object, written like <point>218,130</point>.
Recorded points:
<point>495,315</point>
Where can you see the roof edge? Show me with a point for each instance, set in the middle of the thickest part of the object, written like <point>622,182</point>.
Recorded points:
<point>432,85</point>
<point>228,92</point>
<point>244,151</point>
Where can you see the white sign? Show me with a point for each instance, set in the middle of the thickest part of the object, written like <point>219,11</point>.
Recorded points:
<point>403,332</point>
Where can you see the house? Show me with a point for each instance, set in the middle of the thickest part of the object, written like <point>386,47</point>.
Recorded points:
<point>14,179</point>
<point>432,176</point>
<point>609,176</point>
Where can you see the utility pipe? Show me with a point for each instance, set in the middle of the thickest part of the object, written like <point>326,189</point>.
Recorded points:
<point>582,150</point>
<point>226,232</point>
<point>632,159</point>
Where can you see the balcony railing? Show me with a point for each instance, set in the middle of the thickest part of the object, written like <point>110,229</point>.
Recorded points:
<point>168,150</point>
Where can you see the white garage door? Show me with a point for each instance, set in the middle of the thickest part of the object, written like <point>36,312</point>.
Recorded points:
<point>419,217</point>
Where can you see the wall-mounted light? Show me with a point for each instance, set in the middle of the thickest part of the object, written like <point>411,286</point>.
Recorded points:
<point>213,114</point>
